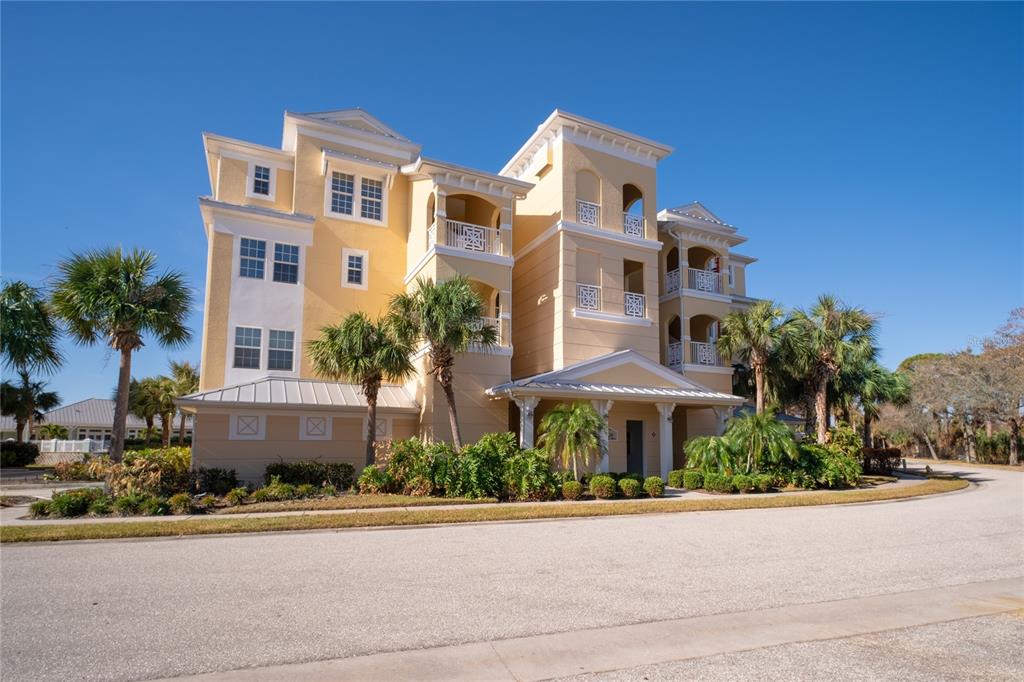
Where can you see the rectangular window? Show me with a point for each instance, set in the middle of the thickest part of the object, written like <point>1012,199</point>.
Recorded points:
<point>342,192</point>
<point>355,270</point>
<point>247,347</point>
<point>261,180</point>
<point>372,194</point>
<point>253,253</point>
<point>286,263</point>
<point>281,351</point>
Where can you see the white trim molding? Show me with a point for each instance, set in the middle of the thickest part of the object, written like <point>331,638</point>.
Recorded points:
<point>247,427</point>
<point>365,255</point>
<point>611,317</point>
<point>316,427</point>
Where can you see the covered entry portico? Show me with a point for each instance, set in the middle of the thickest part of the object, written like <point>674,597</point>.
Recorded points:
<point>644,403</point>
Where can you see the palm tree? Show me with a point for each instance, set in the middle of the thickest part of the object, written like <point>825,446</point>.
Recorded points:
<point>447,317</point>
<point>26,402</point>
<point>119,298</point>
<point>367,352</point>
<point>762,438</point>
<point>881,387</point>
<point>143,402</point>
<point>186,382</point>
<point>572,432</point>
<point>53,431</point>
<point>711,453</point>
<point>753,335</point>
<point>828,337</point>
<point>165,392</point>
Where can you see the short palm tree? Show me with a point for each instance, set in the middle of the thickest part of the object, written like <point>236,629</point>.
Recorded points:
<point>761,438</point>
<point>26,402</point>
<point>166,392</point>
<point>53,432</point>
<point>119,298</point>
<point>881,387</point>
<point>364,351</point>
<point>448,318</point>
<point>711,453</point>
<point>143,402</point>
<point>752,335</point>
<point>827,337</point>
<point>572,433</point>
<point>186,382</point>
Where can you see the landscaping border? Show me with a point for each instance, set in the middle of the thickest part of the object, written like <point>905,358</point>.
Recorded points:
<point>469,514</point>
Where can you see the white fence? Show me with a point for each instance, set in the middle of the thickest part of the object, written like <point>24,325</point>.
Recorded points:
<point>54,451</point>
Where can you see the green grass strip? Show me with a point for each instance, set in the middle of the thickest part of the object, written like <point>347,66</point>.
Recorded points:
<point>351,502</point>
<point>468,514</point>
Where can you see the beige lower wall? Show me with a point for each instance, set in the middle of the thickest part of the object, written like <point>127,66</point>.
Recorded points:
<point>478,412</point>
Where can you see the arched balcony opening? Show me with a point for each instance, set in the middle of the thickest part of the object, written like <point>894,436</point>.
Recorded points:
<point>672,279</point>
<point>491,298</point>
<point>632,211</point>
<point>431,220</point>
<point>471,223</point>
<point>588,198</point>
<point>703,345</point>
<point>704,271</point>
<point>674,350</point>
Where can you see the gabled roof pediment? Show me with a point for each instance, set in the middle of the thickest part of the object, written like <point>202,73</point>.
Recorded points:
<point>697,210</point>
<point>359,119</point>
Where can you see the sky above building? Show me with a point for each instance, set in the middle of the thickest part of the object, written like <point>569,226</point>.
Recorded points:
<point>873,151</point>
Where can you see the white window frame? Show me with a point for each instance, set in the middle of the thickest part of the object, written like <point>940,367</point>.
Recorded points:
<point>345,253</point>
<point>250,178</point>
<point>260,432</point>
<point>357,194</point>
<point>297,264</point>
<point>261,358</point>
<point>238,270</point>
<point>304,427</point>
<point>269,349</point>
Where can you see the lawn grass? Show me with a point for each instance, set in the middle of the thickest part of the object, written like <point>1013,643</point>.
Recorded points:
<point>350,502</point>
<point>468,514</point>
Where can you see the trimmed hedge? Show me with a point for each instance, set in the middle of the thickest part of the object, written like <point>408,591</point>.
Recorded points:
<point>629,487</point>
<point>14,454</point>
<point>676,478</point>
<point>654,486</point>
<point>718,483</point>
<point>311,472</point>
<point>693,479</point>
<point>603,487</point>
<point>572,490</point>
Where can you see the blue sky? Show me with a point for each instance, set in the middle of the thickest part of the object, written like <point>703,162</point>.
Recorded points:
<point>872,150</point>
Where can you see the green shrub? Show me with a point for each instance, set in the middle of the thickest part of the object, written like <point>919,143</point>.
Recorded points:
<point>676,478</point>
<point>306,490</point>
<point>328,491</point>
<point>838,469</point>
<point>101,506</point>
<point>374,481</point>
<point>208,501</point>
<point>629,487</point>
<point>639,478</point>
<point>529,475</point>
<point>214,480</point>
<point>275,491</point>
<point>845,440</point>
<point>312,472</point>
<point>89,469</point>
<point>39,508</point>
<point>762,483</point>
<point>14,454</point>
<point>236,496</point>
<point>154,505</point>
<point>181,503</point>
<point>602,487</point>
<point>572,490</point>
<point>743,483</point>
<point>718,483</point>
<point>71,503</point>
<point>693,479</point>
<point>145,504</point>
<point>160,471</point>
<point>654,486</point>
<point>479,467</point>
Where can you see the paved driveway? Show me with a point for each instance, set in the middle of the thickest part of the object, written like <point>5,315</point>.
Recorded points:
<point>153,608</point>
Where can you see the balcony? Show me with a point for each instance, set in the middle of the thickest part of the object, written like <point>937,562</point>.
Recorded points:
<point>702,353</point>
<point>672,280</point>
<point>633,225</point>
<point>495,323</point>
<point>588,297</point>
<point>634,305</point>
<point>588,213</point>
<point>675,355</point>
<point>705,280</point>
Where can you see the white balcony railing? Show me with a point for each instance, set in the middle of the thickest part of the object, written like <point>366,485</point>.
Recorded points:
<point>472,237</point>
<point>675,355</point>
<point>588,297</point>
<point>588,213</point>
<point>431,235</point>
<point>491,322</point>
<point>705,280</point>
<point>635,305</point>
<point>633,225</point>
<point>702,353</point>
<point>671,281</point>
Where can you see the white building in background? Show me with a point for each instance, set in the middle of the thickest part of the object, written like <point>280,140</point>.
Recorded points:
<point>91,418</point>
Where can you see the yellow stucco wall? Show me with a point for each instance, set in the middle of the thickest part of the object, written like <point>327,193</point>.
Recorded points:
<point>219,274</point>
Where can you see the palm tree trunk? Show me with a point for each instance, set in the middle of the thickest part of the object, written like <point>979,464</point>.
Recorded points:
<point>453,417</point>
<point>371,424</point>
<point>149,431</point>
<point>165,429</point>
<point>759,384</point>
<point>867,429</point>
<point>821,408</point>
<point>121,405</point>
<point>181,430</point>
<point>19,425</point>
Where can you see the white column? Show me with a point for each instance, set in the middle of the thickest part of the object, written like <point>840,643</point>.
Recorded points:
<point>526,408</point>
<point>665,436</point>
<point>603,407</point>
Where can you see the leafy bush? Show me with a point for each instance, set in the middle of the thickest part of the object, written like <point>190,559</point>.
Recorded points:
<point>718,483</point>
<point>208,501</point>
<point>101,506</point>
<point>479,467</point>
<point>214,480</point>
<point>629,487</point>
<point>306,490</point>
<point>39,508</point>
<point>374,481</point>
<point>572,490</point>
<point>996,449</point>
<point>818,466</point>
<point>602,487</point>
<point>275,491</point>
<point>676,478</point>
<point>838,469</point>
<point>181,503</point>
<point>89,469</point>
<point>163,471</point>
<point>654,486</point>
<point>14,454</point>
<point>312,472</point>
<point>762,482</point>
<point>639,478</point>
<point>72,503</point>
<point>236,496</point>
<point>880,460</point>
<point>528,475</point>
<point>693,479</point>
<point>146,504</point>
<point>154,505</point>
<point>743,483</point>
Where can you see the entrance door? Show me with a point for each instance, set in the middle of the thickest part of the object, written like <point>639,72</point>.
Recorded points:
<point>634,447</point>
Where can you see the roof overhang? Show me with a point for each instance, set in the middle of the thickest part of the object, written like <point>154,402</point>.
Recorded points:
<point>301,395</point>
<point>373,143</point>
<point>220,216</point>
<point>463,177</point>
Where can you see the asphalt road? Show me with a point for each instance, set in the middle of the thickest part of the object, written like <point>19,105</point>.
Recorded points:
<point>156,608</point>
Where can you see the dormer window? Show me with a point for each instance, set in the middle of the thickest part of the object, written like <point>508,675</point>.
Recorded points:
<point>342,193</point>
<point>261,181</point>
<point>372,199</point>
<point>350,195</point>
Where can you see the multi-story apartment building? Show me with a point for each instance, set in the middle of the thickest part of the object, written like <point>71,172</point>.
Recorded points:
<point>595,294</point>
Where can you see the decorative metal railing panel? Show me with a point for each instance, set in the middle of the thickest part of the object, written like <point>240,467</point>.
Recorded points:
<point>672,281</point>
<point>472,237</point>
<point>704,354</point>
<point>635,304</point>
<point>705,280</point>
<point>633,225</point>
<point>675,355</point>
<point>588,213</point>
<point>588,297</point>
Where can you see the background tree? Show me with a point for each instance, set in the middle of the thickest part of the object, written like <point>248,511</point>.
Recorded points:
<point>53,432</point>
<point>752,335</point>
<point>572,433</point>
<point>143,402</point>
<point>448,317</point>
<point>881,387</point>
<point>186,382</point>
<point>26,402</point>
<point>166,392</point>
<point>119,298</point>
<point>367,352</point>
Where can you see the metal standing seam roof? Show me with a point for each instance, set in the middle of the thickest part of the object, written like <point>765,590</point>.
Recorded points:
<point>98,412</point>
<point>288,392</point>
<point>620,389</point>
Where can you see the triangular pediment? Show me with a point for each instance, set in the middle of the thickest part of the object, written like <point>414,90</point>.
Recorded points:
<point>360,120</point>
<point>695,209</point>
<point>624,368</point>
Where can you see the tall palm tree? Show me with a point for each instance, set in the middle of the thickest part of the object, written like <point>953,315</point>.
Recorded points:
<point>447,317</point>
<point>762,438</point>
<point>186,382</point>
<point>28,338</point>
<point>752,335</point>
<point>881,387</point>
<point>119,298</point>
<point>26,402</point>
<point>829,336</point>
<point>572,433</point>
<point>367,352</point>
